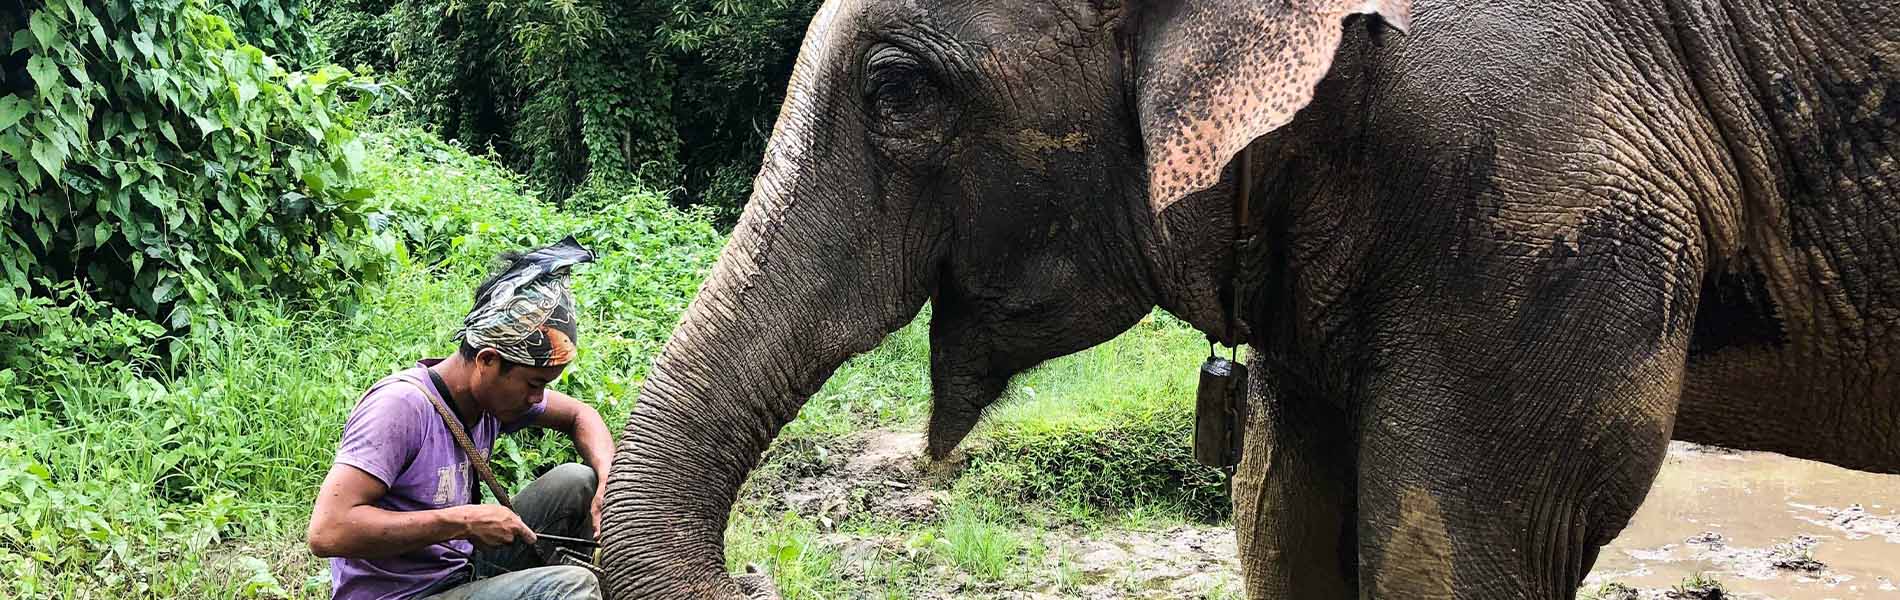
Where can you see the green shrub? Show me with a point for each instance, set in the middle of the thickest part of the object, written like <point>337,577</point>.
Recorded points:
<point>278,27</point>
<point>147,151</point>
<point>581,93</point>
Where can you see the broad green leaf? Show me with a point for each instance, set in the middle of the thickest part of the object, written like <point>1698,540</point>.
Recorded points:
<point>246,91</point>
<point>14,145</point>
<point>12,108</point>
<point>206,125</point>
<point>45,30</point>
<point>50,155</point>
<point>102,233</point>
<point>353,155</point>
<point>167,289</point>
<point>28,173</point>
<point>143,41</point>
<point>45,74</point>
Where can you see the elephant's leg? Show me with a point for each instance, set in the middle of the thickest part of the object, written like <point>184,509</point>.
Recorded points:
<point>1512,429</point>
<point>1507,486</point>
<point>1293,504</point>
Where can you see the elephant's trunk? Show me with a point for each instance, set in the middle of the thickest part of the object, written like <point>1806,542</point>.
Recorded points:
<point>820,267</point>
<point>763,335</point>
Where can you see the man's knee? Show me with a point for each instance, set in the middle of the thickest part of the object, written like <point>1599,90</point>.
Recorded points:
<point>567,582</point>
<point>572,478</point>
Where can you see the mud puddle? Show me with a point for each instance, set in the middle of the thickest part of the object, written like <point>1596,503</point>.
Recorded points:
<point>1764,525</point>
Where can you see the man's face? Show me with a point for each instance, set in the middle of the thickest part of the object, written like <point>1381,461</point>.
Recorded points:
<point>507,393</point>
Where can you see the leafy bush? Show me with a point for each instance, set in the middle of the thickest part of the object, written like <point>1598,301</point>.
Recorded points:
<point>279,27</point>
<point>733,59</point>
<point>145,149</point>
<point>589,95</point>
<point>355,33</point>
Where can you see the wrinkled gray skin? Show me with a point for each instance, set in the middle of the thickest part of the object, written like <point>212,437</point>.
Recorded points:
<point>1503,258</point>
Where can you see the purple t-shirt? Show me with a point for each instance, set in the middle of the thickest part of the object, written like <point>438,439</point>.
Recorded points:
<point>397,437</point>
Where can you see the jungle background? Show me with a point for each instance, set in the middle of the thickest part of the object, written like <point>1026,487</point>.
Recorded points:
<point>225,218</point>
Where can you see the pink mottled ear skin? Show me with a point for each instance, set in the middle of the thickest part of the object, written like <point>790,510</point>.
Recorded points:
<point>1216,74</point>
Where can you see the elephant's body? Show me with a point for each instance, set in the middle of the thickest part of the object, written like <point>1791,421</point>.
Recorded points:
<point>1501,259</point>
<point>1514,247</point>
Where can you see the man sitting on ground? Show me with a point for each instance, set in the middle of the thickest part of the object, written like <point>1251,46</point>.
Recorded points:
<point>395,513</point>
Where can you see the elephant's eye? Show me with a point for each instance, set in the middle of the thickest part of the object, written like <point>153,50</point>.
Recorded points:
<point>897,95</point>
<point>897,87</point>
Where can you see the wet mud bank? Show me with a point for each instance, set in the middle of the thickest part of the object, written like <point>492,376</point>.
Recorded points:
<point>1762,525</point>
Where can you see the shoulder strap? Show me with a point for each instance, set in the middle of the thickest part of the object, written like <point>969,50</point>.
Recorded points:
<point>475,457</point>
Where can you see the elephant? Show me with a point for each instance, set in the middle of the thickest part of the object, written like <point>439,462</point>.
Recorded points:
<point>1488,258</point>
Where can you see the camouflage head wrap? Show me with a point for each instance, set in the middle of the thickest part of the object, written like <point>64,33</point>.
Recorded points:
<point>526,312</point>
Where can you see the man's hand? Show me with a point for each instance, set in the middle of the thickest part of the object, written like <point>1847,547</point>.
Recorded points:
<point>490,525</point>
<point>345,522</point>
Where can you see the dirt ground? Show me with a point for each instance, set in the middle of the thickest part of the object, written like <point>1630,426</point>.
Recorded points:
<point>1764,525</point>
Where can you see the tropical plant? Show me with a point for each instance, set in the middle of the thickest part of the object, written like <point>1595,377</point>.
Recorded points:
<point>148,151</point>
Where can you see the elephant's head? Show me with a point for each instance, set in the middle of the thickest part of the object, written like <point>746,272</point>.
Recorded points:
<point>1006,160</point>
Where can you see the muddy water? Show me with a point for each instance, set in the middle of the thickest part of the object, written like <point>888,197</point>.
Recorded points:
<point>1765,525</point>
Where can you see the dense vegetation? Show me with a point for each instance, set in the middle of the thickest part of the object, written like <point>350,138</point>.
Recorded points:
<point>209,251</point>
<point>150,152</point>
<point>587,94</point>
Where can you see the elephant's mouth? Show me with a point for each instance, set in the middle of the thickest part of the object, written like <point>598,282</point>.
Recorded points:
<point>957,406</point>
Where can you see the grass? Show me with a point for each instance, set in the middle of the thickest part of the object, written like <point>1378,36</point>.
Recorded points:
<point>140,465</point>
<point>1699,587</point>
<point>978,546</point>
<point>1609,591</point>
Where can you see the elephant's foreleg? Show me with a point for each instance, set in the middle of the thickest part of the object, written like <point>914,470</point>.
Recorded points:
<point>1293,506</point>
<point>1497,460</point>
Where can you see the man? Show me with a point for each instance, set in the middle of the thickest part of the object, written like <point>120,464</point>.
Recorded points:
<point>395,515</point>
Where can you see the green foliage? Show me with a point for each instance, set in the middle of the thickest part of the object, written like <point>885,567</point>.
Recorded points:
<point>733,59</point>
<point>279,27</point>
<point>173,167</point>
<point>356,33</point>
<point>789,548</point>
<point>137,469</point>
<point>587,94</point>
<point>1698,587</point>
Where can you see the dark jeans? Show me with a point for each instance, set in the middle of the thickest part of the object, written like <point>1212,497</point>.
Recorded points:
<point>559,503</point>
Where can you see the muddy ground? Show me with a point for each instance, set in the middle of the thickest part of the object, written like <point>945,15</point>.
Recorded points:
<point>1763,525</point>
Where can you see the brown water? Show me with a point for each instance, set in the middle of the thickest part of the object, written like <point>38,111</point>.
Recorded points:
<point>1734,515</point>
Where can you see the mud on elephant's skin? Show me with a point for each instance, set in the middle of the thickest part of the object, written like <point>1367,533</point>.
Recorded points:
<point>1504,257</point>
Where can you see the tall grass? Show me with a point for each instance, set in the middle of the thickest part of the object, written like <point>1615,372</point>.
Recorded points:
<point>139,465</point>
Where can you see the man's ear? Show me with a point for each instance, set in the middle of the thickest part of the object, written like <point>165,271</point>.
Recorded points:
<point>488,358</point>
<point>1212,75</point>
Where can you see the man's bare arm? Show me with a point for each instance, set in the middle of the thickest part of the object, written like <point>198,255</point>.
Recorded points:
<point>583,424</point>
<point>592,440</point>
<point>344,523</point>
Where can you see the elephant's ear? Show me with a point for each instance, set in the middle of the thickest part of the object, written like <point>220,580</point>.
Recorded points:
<point>1212,75</point>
